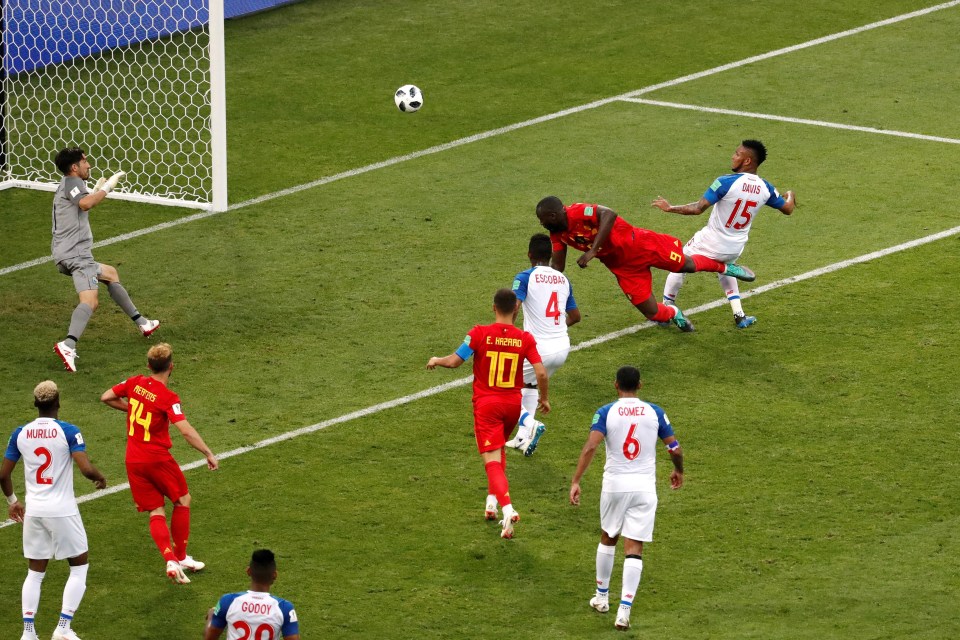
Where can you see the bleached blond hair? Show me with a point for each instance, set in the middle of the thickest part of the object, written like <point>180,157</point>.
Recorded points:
<point>45,392</point>
<point>159,357</point>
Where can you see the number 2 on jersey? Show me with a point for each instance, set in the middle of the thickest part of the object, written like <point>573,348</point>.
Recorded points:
<point>553,308</point>
<point>135,417</point>
<point>44,453</point>
<point>263,632</point>
<point>631,446</point>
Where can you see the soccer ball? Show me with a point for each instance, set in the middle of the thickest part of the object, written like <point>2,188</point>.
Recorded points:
<point>408,98</point>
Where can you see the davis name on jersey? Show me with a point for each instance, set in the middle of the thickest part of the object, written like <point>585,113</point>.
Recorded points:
<point>47,447</point>
<point>631,428</point>
<point>736,199</point>
<point>255,615</point>
<point>547,297</point>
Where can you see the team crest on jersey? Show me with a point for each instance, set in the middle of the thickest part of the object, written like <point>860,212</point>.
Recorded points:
<point>74,192</point>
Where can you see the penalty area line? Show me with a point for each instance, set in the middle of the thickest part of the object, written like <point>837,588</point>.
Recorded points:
<point>460,382</point>
<point>496,132</point>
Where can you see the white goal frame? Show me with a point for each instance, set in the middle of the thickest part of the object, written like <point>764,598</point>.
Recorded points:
<point>212,195</point>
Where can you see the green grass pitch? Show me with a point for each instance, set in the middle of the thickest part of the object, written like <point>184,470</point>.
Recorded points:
<point>821,443</point>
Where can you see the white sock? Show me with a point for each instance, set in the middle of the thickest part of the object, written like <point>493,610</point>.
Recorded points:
<point>528,400</point>
<point>632,568</point>
<point>671,288</point>
<point>492,500</point>
<point>73,593</point>
<point>605,558</point>
<point>30,597</point>
<point>732,290</point>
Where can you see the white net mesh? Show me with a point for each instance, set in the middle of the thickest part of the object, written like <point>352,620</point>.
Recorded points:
<point>126,80</point>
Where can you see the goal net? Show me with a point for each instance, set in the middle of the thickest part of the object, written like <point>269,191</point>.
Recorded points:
<point>138,84</point>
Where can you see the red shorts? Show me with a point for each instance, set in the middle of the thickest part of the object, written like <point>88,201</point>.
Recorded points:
<point>493,422</point>
<point>151,481</point>
<point>648,249</point>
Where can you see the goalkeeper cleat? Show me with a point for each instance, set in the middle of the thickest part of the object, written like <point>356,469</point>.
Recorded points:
<point>532,444</point>
<point>743,321</point>
<point>148,327</point>
<point>68,356</point>
<point>175,573</point>
<point>490,511</point>
<point>623,618</point>
<point>740,272</point>
<point>510,517</point>
<point>681,321</point>
<point>190,564</point>
<point>64,634</point>
<point>600,602</point>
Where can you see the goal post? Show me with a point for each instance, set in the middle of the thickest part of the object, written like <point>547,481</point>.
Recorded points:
<point>139,84</point>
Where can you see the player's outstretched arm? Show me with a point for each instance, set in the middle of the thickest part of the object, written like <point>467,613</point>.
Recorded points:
<point>451,361</point>
<point>543,381</point>
<point>789,203</point>
<point>586,457</point>
<point>607,218</point>
<point>193,438</point>
<point>89,471</point>
<point>558,259</point>
<point>676,455</point>
<point>100,191</point>
<point>111,399</point>
<point>691,209</point>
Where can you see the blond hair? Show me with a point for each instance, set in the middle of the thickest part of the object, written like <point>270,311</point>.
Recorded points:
<point>159,357</point>
<point>46,391</point>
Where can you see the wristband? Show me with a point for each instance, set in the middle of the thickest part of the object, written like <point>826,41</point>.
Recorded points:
<point>12,498</point>
<point>673,446</point>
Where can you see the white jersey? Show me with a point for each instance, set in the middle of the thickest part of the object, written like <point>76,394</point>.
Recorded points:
<point>255,615</point>
<point>547,297</point>
<point>736,200</point>
<point>631,428</point>
<point>47,446</point>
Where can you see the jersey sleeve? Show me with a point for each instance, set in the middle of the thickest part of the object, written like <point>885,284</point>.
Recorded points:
<point>530,348</point>
<point>556,241</point>
<point>520,284</point>
<point>600,419</point>
<point>470,343</point>
<point>571,303</point>
<point>719,188</point>
<point>120,389</point>
<point>175,412</point>
<point>74,438</point>
<point>664,428</point>
<point>13,452</point>
<point>219,619</point>
<point>775,200</point>
<point>75,189</point>
<point>291,627</point>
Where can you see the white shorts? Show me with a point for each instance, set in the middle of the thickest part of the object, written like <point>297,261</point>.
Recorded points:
<point>57,538</point>
<point>551,363</point>
<point>697,247</point>
<point>630,514</point>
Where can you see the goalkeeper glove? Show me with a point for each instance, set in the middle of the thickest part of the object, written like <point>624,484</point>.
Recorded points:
<point>110,184</point>
<point>99,185</point>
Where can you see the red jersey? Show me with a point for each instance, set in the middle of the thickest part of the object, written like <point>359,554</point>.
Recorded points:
<point>152,408</point>
<point>583,223</point>
<point>499,351</point>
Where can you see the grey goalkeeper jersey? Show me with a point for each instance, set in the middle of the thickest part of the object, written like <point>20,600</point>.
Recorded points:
<point>72,236</point>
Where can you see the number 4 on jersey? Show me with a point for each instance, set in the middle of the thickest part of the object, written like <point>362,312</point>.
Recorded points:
<point>553,308</point>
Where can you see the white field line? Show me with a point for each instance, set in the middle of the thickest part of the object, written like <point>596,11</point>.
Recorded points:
<point>816,123</point>
<point>460,382</point>
<point>496,132</point>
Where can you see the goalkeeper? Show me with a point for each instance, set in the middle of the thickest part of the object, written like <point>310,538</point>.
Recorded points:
<point>72,249</point>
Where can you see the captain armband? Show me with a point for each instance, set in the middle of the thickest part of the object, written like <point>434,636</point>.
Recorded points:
<point>673,446</point>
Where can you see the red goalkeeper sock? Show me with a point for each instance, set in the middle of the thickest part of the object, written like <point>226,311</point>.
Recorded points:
<point>180,529</point>
<point>703,263</point>
<point>664,313</point>
<point>161,537</point>
<point>497,482</point>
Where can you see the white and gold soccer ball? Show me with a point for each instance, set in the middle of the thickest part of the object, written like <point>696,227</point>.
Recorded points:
<point>408,98</point>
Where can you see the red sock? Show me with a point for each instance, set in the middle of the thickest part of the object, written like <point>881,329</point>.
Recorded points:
<point>497,481</point>
<point>703,263</point>
<point>664,313</point>
<point>180,529</point>
<point>503,459</point>
<point>161,537</point>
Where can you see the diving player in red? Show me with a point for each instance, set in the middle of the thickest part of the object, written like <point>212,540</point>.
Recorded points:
<point>500,350</point>
<point>627,251</point>
<point>151,469</point>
